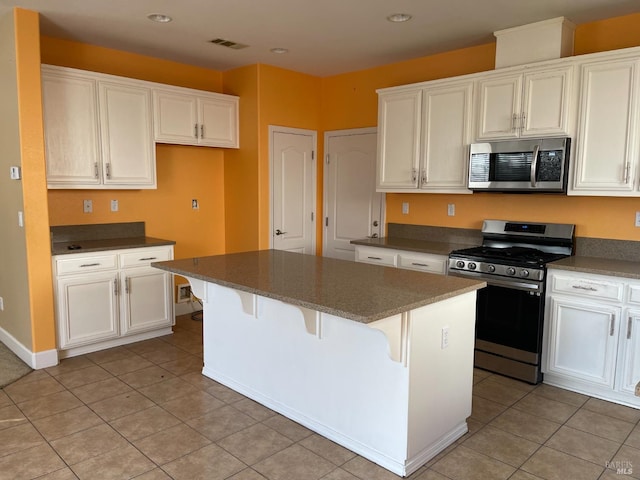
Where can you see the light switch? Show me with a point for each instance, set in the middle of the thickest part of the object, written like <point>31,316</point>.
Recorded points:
<point>405,208</point>
<point>114,205</point>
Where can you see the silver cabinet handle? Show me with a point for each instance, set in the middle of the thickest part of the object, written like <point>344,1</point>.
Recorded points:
<point>108,166</point>
<point>280,232</point>
<point>126,285</point>
<point>629,323</point>
<point>534,164</point>
<point>144,259</point>
<point>84,265</point>
<point>202,131</point>
<point>627,169</point>
<point>588,289</point>
<point>115,286</point>
<point>414,175</point>
<point>424,177</point>
<point>522,121</point>
<point>195,130</point>
<point>420,264</point>
<point>612,327</point>
<point>514,119</point>
<point>374,258</point>
<point>96,172</point>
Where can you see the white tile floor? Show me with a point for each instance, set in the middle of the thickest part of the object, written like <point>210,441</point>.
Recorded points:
<point>144,411</point>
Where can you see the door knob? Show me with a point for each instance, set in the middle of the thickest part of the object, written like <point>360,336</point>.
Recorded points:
<point>375,223</point>
<point>375,235</point>
<point>279,232</point>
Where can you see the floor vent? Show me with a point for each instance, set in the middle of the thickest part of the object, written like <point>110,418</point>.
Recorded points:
<point>228,43</point>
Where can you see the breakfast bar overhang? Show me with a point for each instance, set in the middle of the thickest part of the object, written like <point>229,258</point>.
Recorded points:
<point>377,359</point>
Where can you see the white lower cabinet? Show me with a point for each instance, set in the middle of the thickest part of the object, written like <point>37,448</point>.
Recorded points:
<point>591,335</point>
<point>423,262</point>
<point>111,298</point>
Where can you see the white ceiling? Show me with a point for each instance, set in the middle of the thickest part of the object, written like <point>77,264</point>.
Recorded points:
<point>324,37</point>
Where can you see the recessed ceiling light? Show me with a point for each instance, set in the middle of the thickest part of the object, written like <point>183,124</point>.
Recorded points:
<point>279,50</point>
<point>399,17</point>
<point>159,17</point>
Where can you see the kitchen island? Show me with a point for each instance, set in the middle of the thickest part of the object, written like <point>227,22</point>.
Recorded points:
<point>377,359</point>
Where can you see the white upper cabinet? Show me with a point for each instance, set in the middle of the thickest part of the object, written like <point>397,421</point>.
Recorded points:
<point>192,117</point>
<point>532,103</point>
<point>424,134</point>
<point>98,131</point>
<point>606,153</point>
<point>399,124</point>
<point>446,134</point>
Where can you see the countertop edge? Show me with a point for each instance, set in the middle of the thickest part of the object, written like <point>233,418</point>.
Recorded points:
<point>598,266</point>
<point>407,244</point>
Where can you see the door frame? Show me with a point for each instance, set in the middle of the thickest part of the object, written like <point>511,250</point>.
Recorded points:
<point>325,187</point>
<point>273,129</point>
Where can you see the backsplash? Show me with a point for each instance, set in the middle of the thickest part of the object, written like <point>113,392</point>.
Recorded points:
<point>101,231</point>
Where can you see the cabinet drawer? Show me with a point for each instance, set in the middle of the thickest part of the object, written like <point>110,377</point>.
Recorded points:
<point>587,287</point>
<point>144,256</point>
<point>85,263</point>
<point>634,294</point>
<point>423,263</point>
<point>377,256</point>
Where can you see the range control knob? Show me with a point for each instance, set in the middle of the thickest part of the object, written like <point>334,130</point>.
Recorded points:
<point>511,271</point>
<point>472,266</point>
<point>460,264</point>
<point>524,273</point>
<point>491,268</point>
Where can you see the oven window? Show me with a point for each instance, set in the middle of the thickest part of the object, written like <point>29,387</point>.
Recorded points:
<point>510,317</point>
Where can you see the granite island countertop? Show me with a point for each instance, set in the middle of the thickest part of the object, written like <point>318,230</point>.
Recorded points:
<point>357,291</point>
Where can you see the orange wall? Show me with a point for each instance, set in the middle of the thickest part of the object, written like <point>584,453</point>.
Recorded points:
<point>34,181</point>
<point>183,172</point>
<point>349,101</point>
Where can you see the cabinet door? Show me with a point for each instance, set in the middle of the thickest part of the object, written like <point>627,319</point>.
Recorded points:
<point>176,117</point>
<point>607,146</point>
<point>128,150</point>
<point>629,366</point>
<point>147,300</point>
<point>546,103</point>
<point>446,136</point>
<point>218,121</point>
<point>87,309</point>
<point>583,339</point>
<point>399,123</point>
<point>72,141</point>
<point>499,106</point>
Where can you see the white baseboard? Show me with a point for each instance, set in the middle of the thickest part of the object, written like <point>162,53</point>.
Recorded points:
<point>35,360</point>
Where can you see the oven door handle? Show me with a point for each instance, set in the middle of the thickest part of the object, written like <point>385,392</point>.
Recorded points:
<point>492,280</point>
<point>534,164</point>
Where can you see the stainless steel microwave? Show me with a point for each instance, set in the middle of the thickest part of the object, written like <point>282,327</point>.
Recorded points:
<point>531,165</point>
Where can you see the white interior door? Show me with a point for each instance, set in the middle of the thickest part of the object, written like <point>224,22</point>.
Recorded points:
<point>293,174</point>
<point>353,208</point>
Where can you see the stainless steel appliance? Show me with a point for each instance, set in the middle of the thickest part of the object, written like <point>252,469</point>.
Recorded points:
<point>531,165</point>
<point>510,310</point>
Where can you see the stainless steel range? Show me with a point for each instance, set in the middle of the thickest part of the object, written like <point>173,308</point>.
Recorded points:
<point>510,310</point>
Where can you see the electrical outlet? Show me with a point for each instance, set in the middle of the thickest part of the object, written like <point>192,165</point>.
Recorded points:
<point>637,219</point>
<point>451,209</point>
<point>184,293</point>
<point>20,219</point>
<point>87,206</point>
<point>405,208</point>
<point>1,303</point>
<point>114,205</point>
<point>445,337</point>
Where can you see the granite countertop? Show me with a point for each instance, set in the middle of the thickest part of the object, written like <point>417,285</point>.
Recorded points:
<point>421,246</point>
<point>357,291</point>
<point>62,248</point>
<point>101,237</point>
<point>599,266</point>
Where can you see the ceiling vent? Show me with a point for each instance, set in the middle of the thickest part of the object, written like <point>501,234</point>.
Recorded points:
<point>228,43</point>
<point>534,42</point>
